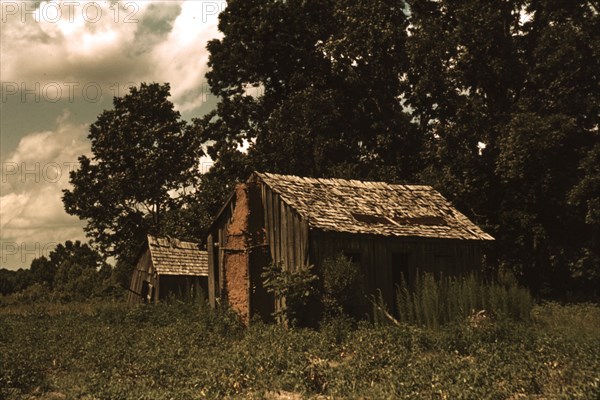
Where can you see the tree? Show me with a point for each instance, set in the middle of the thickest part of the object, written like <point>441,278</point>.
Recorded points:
<point>585,196</point>
<point>310,90</point>
<point>78,270</point>
<point>508,95</point>
<point>8,282</point>
<point>43,271</point>
<point>144,159</point>
<point>553,129</point>
<point>465,72</point>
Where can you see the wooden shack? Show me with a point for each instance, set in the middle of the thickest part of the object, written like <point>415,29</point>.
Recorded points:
<point>169,267</point>
<point>390,230</point>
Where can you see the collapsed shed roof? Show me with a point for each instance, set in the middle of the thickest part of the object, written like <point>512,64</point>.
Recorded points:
<point>175,257</point>
<point>380,208</point>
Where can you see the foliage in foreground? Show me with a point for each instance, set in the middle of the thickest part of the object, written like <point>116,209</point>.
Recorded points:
<point>185,351</point>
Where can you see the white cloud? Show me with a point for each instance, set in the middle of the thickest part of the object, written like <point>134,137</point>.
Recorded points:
<point>33,176</point>
<point>162,41</point>
<point>72,49</point>
<point>182,58</point>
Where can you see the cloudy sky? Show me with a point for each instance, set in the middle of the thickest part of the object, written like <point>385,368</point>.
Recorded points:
<point>61,62</point>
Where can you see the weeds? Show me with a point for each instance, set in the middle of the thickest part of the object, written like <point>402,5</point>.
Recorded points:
<point>435,302</point>
<point>188,351</point>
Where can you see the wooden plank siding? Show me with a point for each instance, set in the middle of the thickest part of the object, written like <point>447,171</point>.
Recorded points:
<point>216,242</point>
<point>211,265</point>
<point>287,233</point>
<point>143,272</point>
<point>376,256</point>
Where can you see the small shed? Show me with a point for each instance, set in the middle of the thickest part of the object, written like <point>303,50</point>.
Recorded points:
<point>390,230</point>
<point>168,266</point>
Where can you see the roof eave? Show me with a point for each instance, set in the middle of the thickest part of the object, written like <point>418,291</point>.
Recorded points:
<point>487,239</point>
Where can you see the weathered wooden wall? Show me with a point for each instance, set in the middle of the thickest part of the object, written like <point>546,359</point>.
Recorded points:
<point>287,234</point>
<point>215,243</point>
<point>143,272</point>
<point>377,253</point>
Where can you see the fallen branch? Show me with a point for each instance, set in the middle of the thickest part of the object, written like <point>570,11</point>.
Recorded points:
<point>385,312</point>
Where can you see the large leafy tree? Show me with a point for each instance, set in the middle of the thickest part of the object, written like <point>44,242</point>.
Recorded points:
<point>464,76</point>
<point>76,265</point>
<point>43,271</point>
<point>508,93</point>
<point>544,160</point>
<point>312,89</point>
<point>143,159</point>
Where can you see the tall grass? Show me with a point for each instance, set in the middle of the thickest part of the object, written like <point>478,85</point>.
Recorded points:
<point>433,302</point>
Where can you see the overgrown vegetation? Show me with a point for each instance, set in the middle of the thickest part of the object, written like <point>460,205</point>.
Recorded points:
<point>294,290</point>
<point>435,302</point>
<point>342,286</point>
<point>187,351</point>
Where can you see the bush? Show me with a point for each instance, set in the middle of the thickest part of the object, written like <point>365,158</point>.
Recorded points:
<point>33,294</point>
<point>342,286</point>
<point>296,289</point>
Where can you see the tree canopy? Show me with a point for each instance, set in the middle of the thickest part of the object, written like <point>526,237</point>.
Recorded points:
<point>328,74</point>
<point>143,160</point>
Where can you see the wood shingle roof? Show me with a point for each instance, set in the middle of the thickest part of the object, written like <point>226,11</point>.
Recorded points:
<point>175,257</point>
<point>373,207</point>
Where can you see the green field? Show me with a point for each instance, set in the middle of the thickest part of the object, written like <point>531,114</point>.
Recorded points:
<point>183,351</point>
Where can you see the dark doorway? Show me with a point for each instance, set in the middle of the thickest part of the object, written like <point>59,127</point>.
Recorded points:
<point>401,272</point>
<point>262,303</point>
<point>145,289</point>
